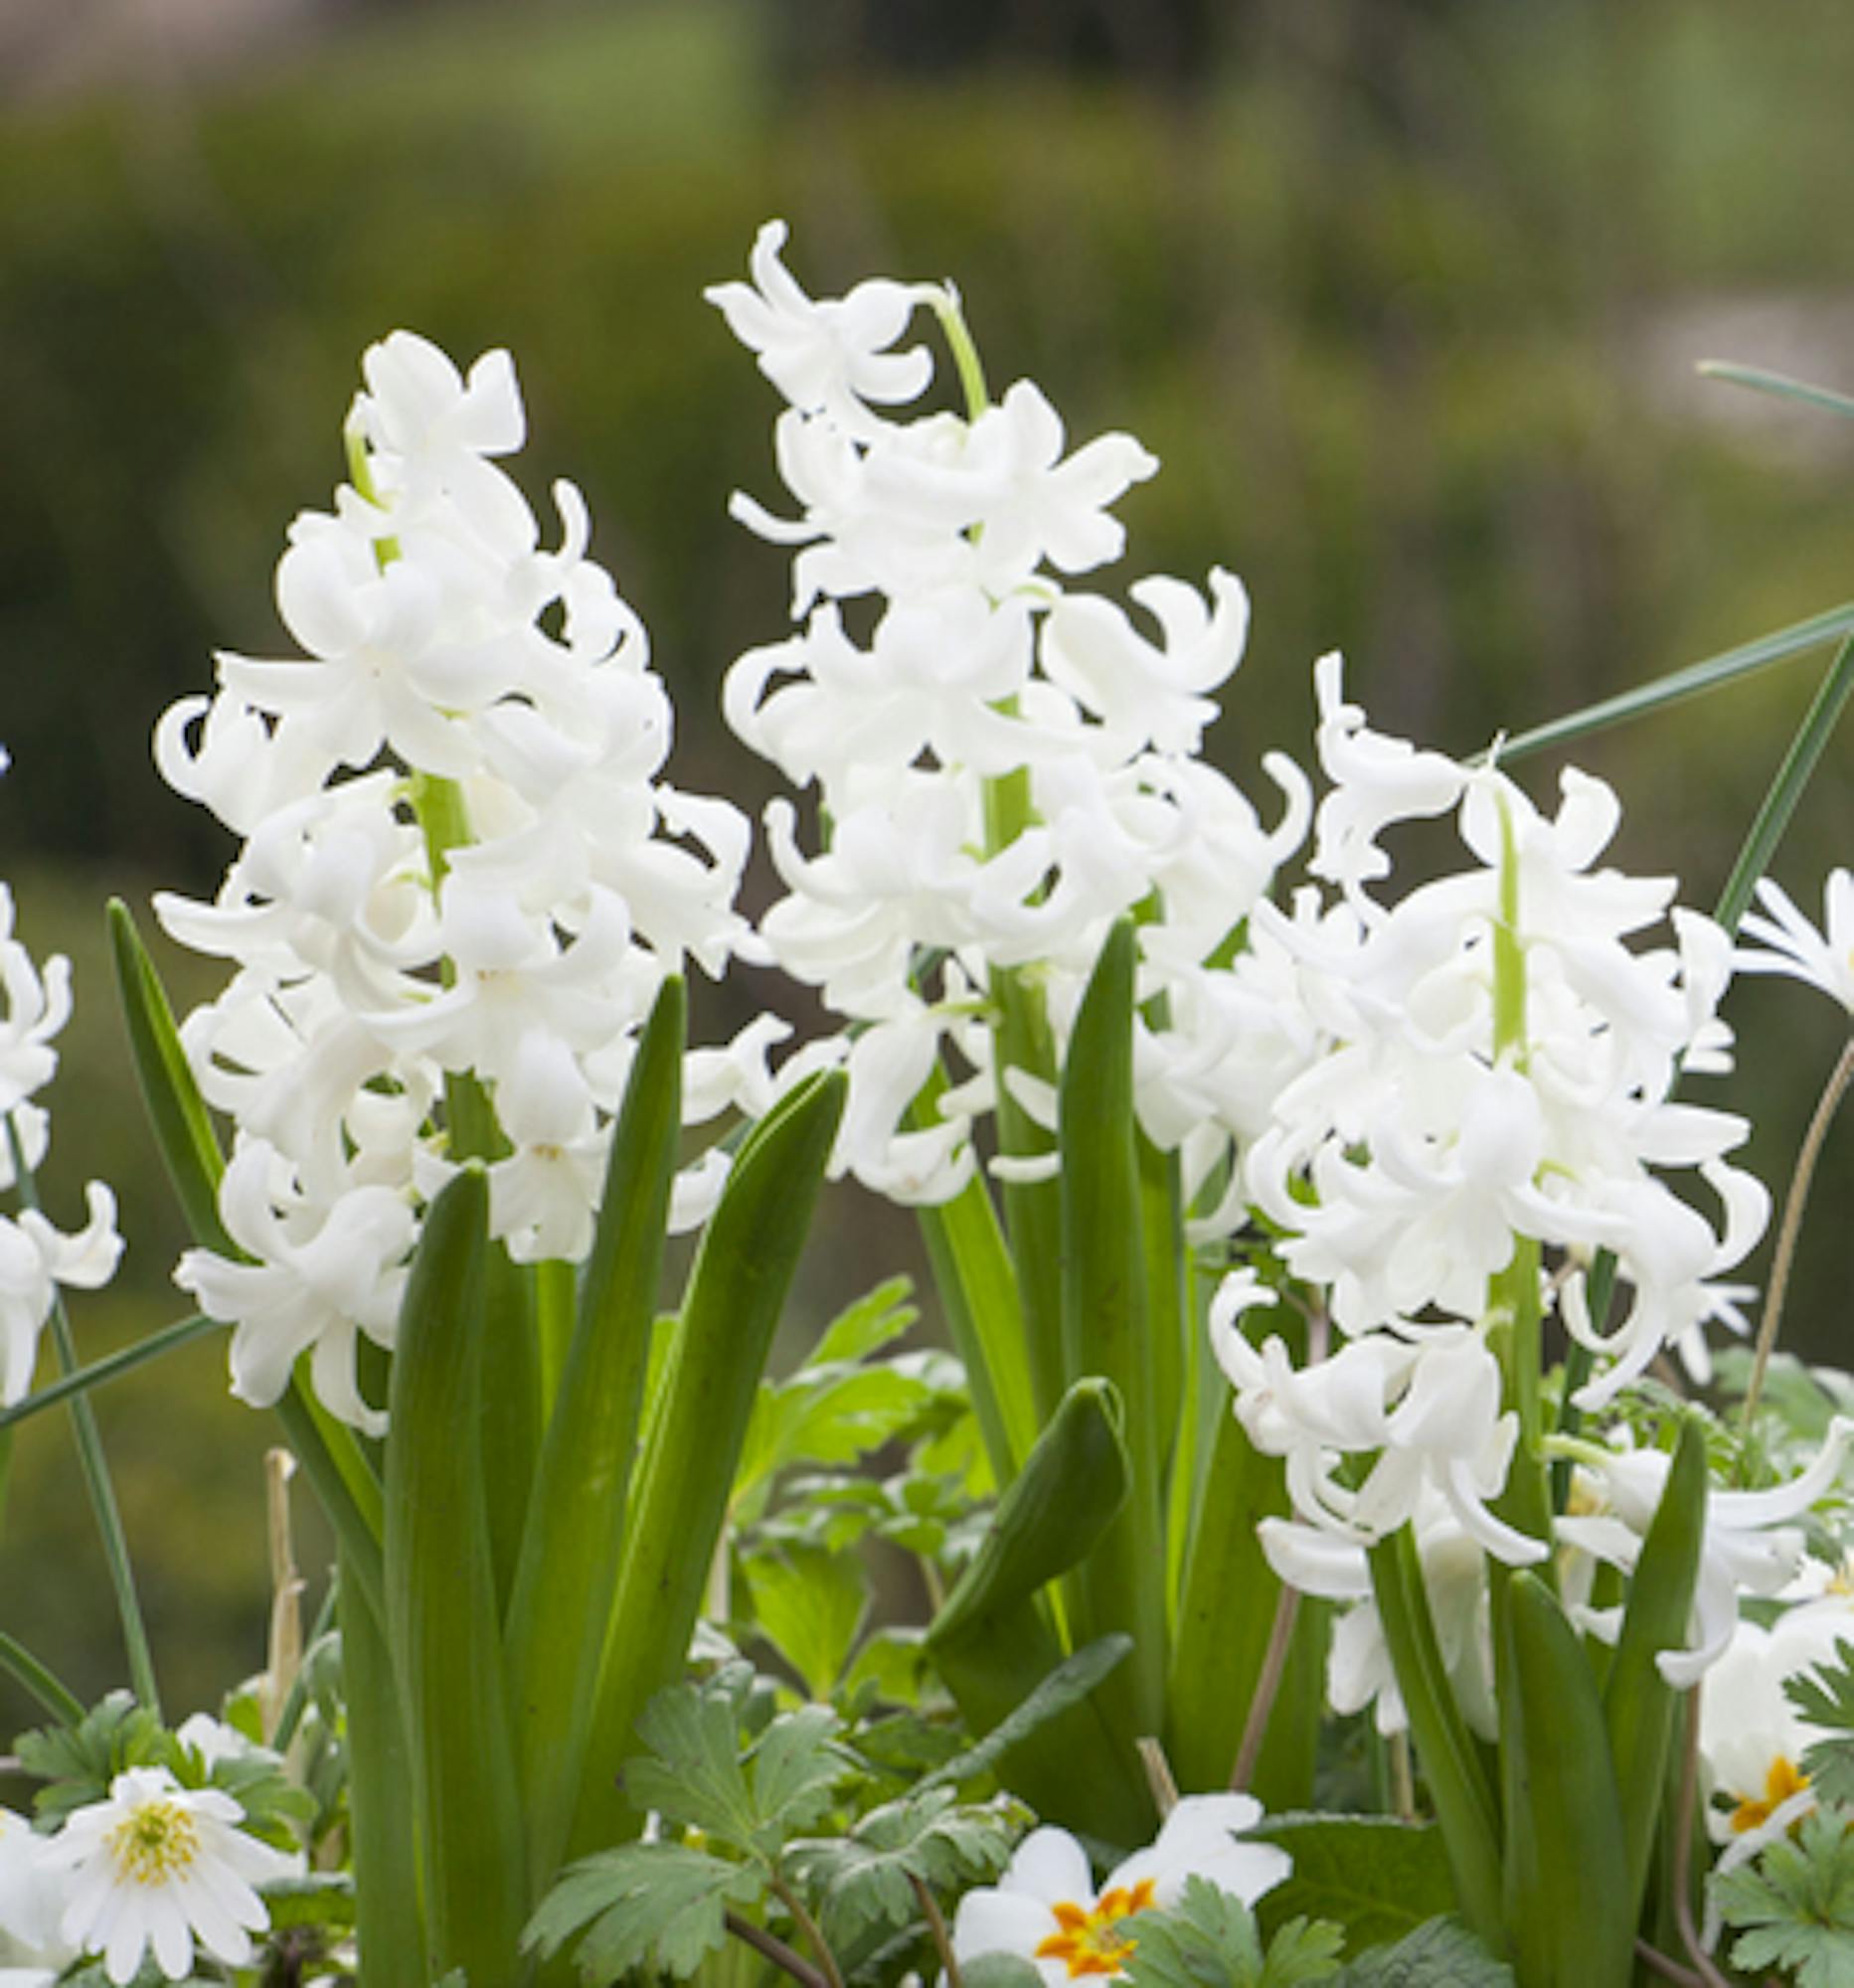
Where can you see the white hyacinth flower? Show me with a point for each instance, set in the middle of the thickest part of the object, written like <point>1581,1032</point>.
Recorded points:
<point>1789,943</point>
<point>162,1867</point>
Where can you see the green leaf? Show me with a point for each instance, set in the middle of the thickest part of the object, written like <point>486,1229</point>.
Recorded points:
<point>809,1604</point>
<point>1210,1939</point>
<point>1120,1583</point>
<point>443,1621</point>
<point>751,1798</point>
<point>1441,1954</point>
<point>655,1904</point>
<point>1825,1696</point>
<point>1001,1970</point>
<point>25,1669</point>
<point>561,1608</point>
<point>865,1879</point>
<point>736,1290</point>
<point>1814,634</point>
<point>1779,384</point>
<point>80,1762</point>
<point>1786,786</point>
<point>1379,1878</point>
<point>1066,1686</point>
<point>179,1333</point>
<point>1797,1905</point>
<point>874,1321</point>
<point>324,1899</point>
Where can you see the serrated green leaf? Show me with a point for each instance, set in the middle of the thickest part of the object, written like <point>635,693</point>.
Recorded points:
<point>1441,1954</point>
<point>1377,1878</point>
<point>1796,1901</point>
<point>80,1762</point>
<point>810,1604</point>
<point>865,1879</point>
<point>1210,1939</point>
<point>662,1905</point>
<point>1001,1970</point>
<point>749,1797</point>
<point>867,1326</point>
<point>321,1898</point>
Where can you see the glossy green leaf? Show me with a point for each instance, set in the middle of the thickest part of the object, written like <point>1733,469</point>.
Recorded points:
<point>183,1129</point>
<point>736,1290</point>
<point>1640,1709</point>
<point>560,1607</point>
<point>1379,1878</point>
<point>1568,1907</point>
<point>442,1622</point>
<point>1120,1584</point>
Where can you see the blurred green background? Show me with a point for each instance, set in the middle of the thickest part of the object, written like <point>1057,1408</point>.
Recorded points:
<point>1406,294</point>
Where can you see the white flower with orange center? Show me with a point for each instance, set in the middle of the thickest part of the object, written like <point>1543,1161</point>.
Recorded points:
<point>1045,1910</point>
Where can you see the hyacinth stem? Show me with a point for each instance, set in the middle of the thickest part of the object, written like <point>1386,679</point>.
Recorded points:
<point>1795,1204</point>
<point>95,1469</point>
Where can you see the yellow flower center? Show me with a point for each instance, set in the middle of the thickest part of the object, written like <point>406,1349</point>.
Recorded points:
<point>156,1842</point>
<point>1779,1784</point>
<point>1095,1940</point>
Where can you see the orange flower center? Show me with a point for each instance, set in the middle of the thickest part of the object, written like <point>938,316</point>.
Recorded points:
<point>1779,1784</point>
<point>1094,1939</point>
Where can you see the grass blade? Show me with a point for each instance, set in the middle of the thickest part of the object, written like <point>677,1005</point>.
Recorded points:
<point>1833,625</point>
<point>1779,384</point>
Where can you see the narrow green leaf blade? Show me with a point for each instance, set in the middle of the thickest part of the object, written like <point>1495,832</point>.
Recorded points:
<point>1833,625</point>
<point>1779,384</point>
<point>561,1602</point>
<point>442,1622</point>
<point>736,1290</point>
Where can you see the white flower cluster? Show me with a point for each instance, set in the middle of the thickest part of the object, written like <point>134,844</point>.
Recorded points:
<point>153,1870</point>
<point>35,1259</point>
<point>1005,763</point>
<point>457,860</point>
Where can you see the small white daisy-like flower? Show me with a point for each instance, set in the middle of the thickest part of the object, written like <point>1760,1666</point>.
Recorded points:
<point>1824,958</point>
<point>160,1866</point>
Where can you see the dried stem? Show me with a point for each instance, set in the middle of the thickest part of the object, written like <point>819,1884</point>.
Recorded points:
<point>1268,1685</point>
<point>1813,1142</point>
<point>1159,1776</point>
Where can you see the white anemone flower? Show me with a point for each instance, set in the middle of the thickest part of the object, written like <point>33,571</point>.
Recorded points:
<point>1045,1908</point>
<point>160,1866</point>
<point>32,1953</point>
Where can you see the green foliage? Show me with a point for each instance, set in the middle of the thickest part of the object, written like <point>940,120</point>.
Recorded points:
<point>1825,1696</point>
<point>1066,1686</point>
<point>1441,1954</point>
<point>809,1604</point>
<point>752,1798</point>
<point>1210,1939</point>
<point>79,1763</point>
<point>1794,1906</point>
<point>866,1879</point>
<point>1380,1880</point>
<point>663,1904</point>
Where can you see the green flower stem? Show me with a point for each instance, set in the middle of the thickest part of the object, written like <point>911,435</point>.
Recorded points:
<point>99,1371</point>
<point>1794,1202</point>
<point>25,1669</point>
<point>807,1925</point>
<point>770,1947</point>
<point>964,351</point>
<point>1786,786</point>
<point>95,1469</point>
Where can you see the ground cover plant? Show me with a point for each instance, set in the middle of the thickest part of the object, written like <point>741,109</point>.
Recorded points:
<point>1350,1547</point>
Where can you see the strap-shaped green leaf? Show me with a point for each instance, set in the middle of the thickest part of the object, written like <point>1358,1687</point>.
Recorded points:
<point>443,1625</point>
<point>1226,1610</point>
<point>389,1920</point>
<point>571,1552</point>
<point>1570,1916</point>
<point>977,1285</point>
<point>1817,632</point>
<point>1121,1583</point>
<point>736,1290</point>
<point>1640,1708</point>
<point>1465,1804</point>
<point>992,1641</point>
<point>183,1128</point>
